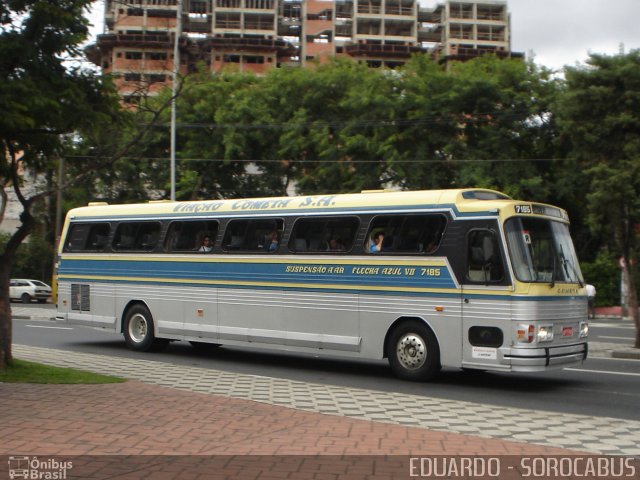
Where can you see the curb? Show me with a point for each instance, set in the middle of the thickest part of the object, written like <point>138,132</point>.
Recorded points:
<point>633,354</point>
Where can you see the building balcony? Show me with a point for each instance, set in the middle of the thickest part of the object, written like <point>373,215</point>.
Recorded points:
<point>382,50</point>
<point>466,53</point>
<point>430,34</point>
<point>430,15</point>
<point>142,39</point>
<point>401,10</point>
<point>238,44</point>
<point>369,9</point>
<point>197,25</point>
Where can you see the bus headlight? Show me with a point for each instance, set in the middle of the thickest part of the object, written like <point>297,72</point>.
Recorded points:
<point>545,333</point>
<point>584,330</point>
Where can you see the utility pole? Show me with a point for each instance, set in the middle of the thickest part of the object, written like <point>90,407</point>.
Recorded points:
<point>174,90</point>
<point>58,228</point>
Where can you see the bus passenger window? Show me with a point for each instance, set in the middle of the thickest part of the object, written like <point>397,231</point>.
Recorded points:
<point>87,237</point>
<point>187,236</point>
<point>484,263</point>
<point>136,236</point>
<point>407,233</point>
<point>255,235</point>
<point>323,234</point>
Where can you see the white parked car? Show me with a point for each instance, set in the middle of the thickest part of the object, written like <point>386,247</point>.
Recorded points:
<point>27,290</point>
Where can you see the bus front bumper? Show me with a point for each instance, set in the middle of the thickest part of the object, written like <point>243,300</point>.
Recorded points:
<point>542,358</point>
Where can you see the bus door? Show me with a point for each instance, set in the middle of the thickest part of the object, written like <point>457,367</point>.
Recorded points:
<point>486,309</point>
<point>251,311</point>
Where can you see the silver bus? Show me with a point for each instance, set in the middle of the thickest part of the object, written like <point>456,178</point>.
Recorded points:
<point>465,278</point>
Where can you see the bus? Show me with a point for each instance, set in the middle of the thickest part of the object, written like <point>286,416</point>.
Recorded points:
<point>460,278</point>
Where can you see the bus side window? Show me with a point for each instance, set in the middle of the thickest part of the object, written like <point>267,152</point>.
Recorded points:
<point>484,263</point>
<point>254,235</point>
<point>412,233</point>
<point>137,236</point>
<point>323,234</point>
<point>187,235</point>
<point>87,237</point>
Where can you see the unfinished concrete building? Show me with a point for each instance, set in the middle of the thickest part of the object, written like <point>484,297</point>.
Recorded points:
<point>461,30</point>
<point>256,35</point>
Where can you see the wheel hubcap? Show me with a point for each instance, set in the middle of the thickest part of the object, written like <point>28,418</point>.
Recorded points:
<point>138,328</point>
<point>412,351</point>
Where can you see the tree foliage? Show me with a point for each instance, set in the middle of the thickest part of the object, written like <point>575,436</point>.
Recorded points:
<point>344,127</point>
<point>45,101</point>
<point>599,115</point>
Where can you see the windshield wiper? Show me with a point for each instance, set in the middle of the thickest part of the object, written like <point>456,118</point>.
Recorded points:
<point>566,262</point>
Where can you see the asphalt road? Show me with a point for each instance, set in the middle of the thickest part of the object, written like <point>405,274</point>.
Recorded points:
<point>600,387</point>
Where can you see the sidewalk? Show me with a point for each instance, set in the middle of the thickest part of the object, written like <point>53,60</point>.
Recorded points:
<point>133,418</point>
<point>135,430</point>
<point>456,427</point>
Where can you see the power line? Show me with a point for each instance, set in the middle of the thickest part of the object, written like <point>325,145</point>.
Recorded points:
<point>391,161</point>
<point>481,117</point>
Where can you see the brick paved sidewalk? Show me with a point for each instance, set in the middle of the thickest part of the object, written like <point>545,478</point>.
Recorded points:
<point>135,430</point>
<point>133,418</point>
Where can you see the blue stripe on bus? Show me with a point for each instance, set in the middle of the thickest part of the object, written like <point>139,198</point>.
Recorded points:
<point>238,275</point>
<point>352,275</point>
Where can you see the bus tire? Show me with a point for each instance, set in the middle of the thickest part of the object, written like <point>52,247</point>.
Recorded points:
<point>139,331</point>
<point>413,352</point>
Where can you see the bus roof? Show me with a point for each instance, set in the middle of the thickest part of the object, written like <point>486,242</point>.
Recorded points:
<point>470,201</point>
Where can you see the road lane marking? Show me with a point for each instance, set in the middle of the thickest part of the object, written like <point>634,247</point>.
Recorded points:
<point>51,328</point>
<point>615,338</point>
<point>603,371</point>
<point>616,358</point>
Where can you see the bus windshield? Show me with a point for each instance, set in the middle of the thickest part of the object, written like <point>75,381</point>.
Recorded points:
<point>542,251</point>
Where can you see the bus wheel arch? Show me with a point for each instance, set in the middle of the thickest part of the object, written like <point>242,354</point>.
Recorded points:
<point>138,328</point>
<point>412,349</point>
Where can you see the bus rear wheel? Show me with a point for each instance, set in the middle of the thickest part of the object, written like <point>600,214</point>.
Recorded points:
<point>139,331</point>
<point>413,352</point>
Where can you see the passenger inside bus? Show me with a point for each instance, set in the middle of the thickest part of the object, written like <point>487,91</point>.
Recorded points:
<point>335,244</point>
<point>205,246</point>
<point>272,241</point>
<point>376,242</point>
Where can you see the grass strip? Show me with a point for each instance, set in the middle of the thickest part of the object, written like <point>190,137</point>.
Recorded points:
<point>21,371</point>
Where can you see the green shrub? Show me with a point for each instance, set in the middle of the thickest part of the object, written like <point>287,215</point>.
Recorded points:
<point>604,274</point>
<point>34,259</point>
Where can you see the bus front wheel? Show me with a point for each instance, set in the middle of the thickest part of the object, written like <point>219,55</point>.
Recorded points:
<point>139,331</point>
<point>413,352</point>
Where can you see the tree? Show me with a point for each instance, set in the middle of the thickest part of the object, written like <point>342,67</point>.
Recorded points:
<point>219,135</point>
<point>46,101</point>
<point>600,117</point>
<point>485,122</point>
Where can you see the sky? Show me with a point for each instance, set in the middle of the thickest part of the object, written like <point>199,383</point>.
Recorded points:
<point>554,32</point>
